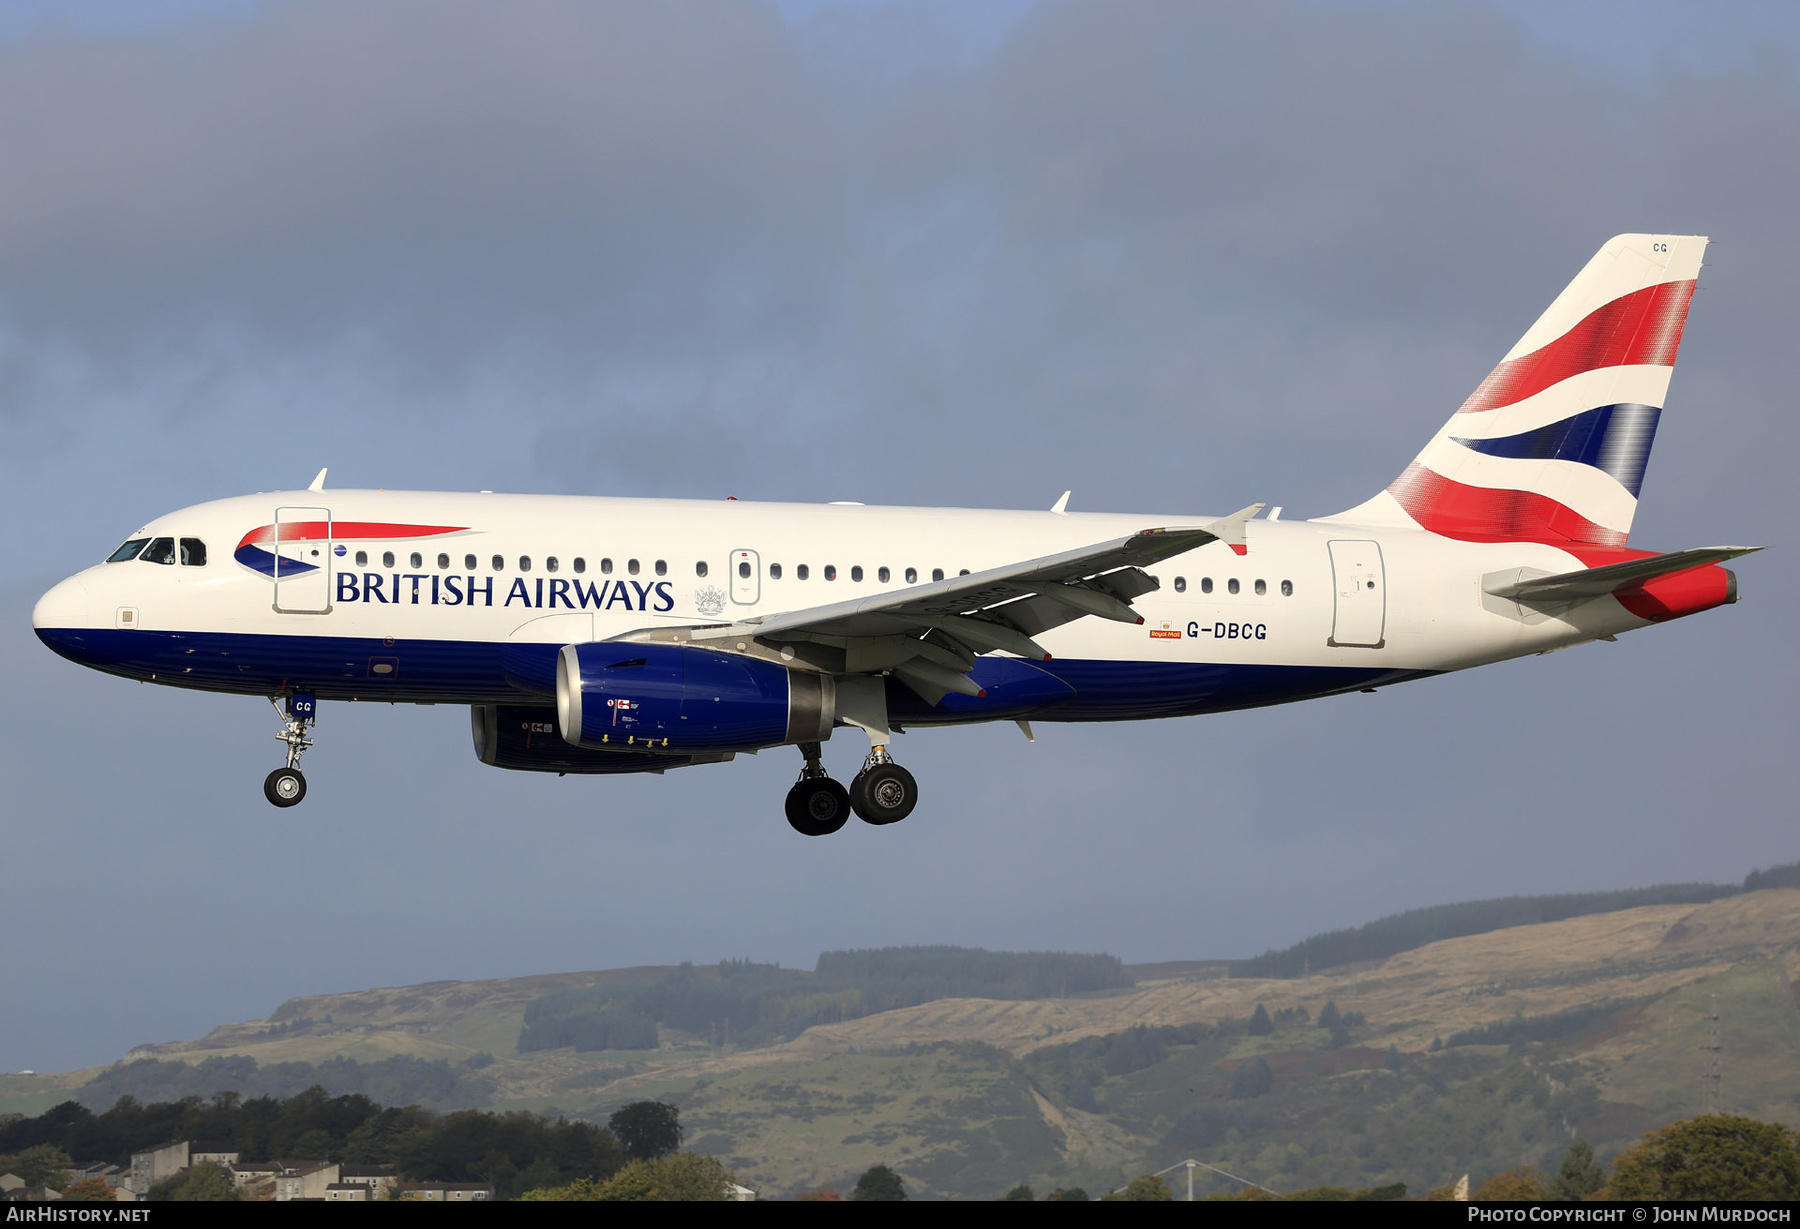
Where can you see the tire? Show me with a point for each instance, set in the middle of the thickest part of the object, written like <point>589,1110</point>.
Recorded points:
<point>284,787</point>
<point>886,794</point>
<point>817,806</point>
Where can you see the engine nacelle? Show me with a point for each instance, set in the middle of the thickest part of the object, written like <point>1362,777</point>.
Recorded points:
<point>526,739</point>
<point>620,694</point>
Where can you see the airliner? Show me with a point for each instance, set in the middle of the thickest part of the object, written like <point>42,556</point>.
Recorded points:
<point>608,635</point>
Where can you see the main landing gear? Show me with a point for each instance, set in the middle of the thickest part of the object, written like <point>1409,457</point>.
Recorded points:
<point>285,787</point>
<point>882,793</point>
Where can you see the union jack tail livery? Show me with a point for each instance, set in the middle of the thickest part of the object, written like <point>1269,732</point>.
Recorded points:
<point>1551,447</point>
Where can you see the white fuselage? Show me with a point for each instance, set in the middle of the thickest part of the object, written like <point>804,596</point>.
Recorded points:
<point>623,565</point>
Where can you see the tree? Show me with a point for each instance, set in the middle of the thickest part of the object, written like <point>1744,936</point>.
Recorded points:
<point>1251,1079</point>
<point>1073,1194</point>
<point>1329,1019</point>
<point>1392,1060</point>
<point>88,1190</point>
<point>1521,1185</point>
<point>879,1184</point>
<point>1018,1194</point>
<point>39,1165</point>
<point>1145,1188</point>
<point>684,1177</point>
<point>647,1129</point>
<point>1715,1156</point>
<point>1579,1175</point>
<point>206,1182</point>
<point>825,1194</point>
<point>1260,1024</point>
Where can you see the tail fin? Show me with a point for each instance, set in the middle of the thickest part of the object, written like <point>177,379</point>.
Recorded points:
<point>1552,446</point>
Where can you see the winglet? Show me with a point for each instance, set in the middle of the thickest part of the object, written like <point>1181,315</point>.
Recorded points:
<point>1230,529</point>
<point>1061,506</point>
<point>318,484</point>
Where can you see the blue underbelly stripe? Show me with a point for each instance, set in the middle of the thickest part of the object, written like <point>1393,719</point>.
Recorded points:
<point>477,672</point>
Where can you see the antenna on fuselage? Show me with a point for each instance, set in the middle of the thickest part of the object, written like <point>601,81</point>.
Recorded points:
<point>1061,506</point>
<point>318,484</point>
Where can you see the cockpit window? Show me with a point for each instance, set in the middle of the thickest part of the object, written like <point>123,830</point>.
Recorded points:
<point>160,550</point>
<point>193,553</point>
<point>127,551</point>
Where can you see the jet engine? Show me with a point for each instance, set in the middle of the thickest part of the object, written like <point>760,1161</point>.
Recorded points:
<point>624,695</point>
<point>526,739</point>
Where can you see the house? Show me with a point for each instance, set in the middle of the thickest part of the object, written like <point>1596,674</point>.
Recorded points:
<point>448,1192</point>
<point>154,1164</point>
<point>379,1180</point>
<point>306,1180</point>
<point>113,1175</point>
<point>347,1192</point>
<point>247,1175</point>
<point>219,1151</point>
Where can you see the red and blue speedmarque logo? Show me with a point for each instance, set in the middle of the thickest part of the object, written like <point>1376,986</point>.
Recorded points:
<point>251,554</point>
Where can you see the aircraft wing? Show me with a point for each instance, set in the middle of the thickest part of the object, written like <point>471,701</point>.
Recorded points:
<point>931,634</point>
<point>1568,588</point>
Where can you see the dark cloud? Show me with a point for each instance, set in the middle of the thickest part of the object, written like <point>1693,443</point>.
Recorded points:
<point>1177,256</point>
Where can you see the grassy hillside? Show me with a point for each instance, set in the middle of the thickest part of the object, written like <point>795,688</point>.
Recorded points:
<point>1594,1026</point>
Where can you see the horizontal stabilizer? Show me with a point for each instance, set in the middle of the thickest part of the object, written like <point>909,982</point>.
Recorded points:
<point>1568,588</point>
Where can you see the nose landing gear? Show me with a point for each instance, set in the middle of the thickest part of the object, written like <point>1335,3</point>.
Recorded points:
<point>285,787</point>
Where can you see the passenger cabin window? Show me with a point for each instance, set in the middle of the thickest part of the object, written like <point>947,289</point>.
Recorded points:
<point>1206,584</point>
<point>964,572</point>
<point>801,572</point>
<point>1231,586</point>
<point>912,576</point>
<point>160,550</point>
<point>524,563</point>
<point>468,563</point>
<point>830,571</point>
<point>700,568</point>
<point>193,553</point>
<point>580,565</point>
<point>631,565</point>
<point>498,563</point>
<point>774,571</point>
<point>387,558</point>
<point>443,563</point>
<point>362,558</point>
<point>1262,587</point>
<point>1181,584</point>
<point>744,569</point>
<point>662,567</point>
<point>551,563</point>
<point>882,575</point>
<point>856,572</point>
<point>1287,588</point>
<point>606,567</point>
<point>417,560</point>
<point>937,573</point>
<point>128,551</point>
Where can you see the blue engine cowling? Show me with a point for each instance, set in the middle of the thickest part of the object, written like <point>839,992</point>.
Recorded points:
<point>619,694</point>
<point>526,739</point>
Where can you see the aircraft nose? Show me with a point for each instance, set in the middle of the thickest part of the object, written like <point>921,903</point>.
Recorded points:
<point>65,605</point>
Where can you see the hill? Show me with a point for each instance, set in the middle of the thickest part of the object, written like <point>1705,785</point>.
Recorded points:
<point>1474,1053</point>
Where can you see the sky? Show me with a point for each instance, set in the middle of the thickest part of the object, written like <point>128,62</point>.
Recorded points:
<point>1177,257</point>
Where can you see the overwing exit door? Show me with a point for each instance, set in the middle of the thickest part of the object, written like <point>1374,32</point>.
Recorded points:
<point>302,560</point>
<point>1359,582</point>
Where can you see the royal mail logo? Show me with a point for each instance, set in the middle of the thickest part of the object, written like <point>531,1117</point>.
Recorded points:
<point>1165,632</point>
